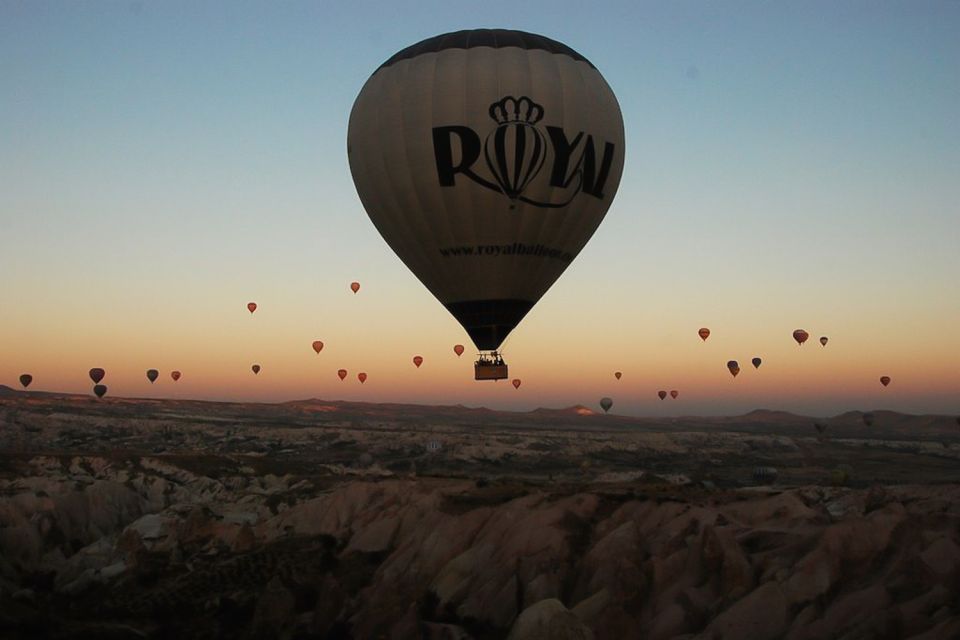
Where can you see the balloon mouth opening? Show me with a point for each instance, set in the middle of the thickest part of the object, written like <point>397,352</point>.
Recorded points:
<point>489,322</point>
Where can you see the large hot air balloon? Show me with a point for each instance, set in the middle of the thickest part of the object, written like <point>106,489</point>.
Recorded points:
<point>617,374</point>
<point>26,379</point>
<point>100,390</point>
<point>605,404</point>
<point>362,377</point>
<point>317,346</point>
<point>255,368</point>
<point>251,306</point>
<point>175,375</point>
<point>800,336</point>
<point>674,394</point>
<point>516,383</point>
<point>824,340</point>
<point>355,286</point>
<point>486,159</point>
<point>704,334</point>
<point>96,374</point>
<point>458,349</point>
<point>734,368</point>
<point>756,363</point>
<point>662,394</point>
<point>342,373</point>
<point>884,380</point>
<point>152,375</point>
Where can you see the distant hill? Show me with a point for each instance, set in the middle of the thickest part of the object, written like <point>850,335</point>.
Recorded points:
<point>317,410</point>
<point>575,410</point>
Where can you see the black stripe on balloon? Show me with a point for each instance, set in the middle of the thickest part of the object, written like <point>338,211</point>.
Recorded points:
<point>519,146</point>
<point>493,38</point>
<point>498,166</point>
<point>489,322</point>
<point>536,160</point>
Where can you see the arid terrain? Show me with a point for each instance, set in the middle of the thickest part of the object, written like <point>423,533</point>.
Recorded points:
<point>127,518</point>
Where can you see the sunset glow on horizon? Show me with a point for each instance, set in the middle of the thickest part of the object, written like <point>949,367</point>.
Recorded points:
<point>786,167</point>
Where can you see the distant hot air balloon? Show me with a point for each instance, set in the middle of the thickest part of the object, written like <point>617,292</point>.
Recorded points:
<point>100,390</point>
<point>418,360</point>
<point>756,363</point>
<point>617,375</point>
<point>824,340</point>
<point>500,140</point>
<point>516,383</point>
<point>252,306</point>
<point>255,368</point>
<point>800,336</point>
<point>458,349</point>
<point>317,346</point>
<point>605,404</point>
<point>704,334</point>
<point>884,380</point>
<point>868,419</point>
<point>342,373</point>
<point>175,375</point>
<point>96,374</point>
<point>362,377</point>
<point>674,394</point>
<point>733,367</point>
<point>26,379</point>
<point>355,286</point>
<point>662,394</point>
<point>152,375</point>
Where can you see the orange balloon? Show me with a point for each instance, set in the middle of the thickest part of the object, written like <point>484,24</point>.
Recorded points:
<point>884,380</point>
<point>255,368</point>
<point>252,306</point>
<point>458,349</point>
<point>362,377</point>
<point>800,336</point>
<point>317,346</point>
<point>674,394</point>
<point>516,383</point>
<point>662,394</point>
<point>175,375</point>
<point>342,373</point>
<point>734,368</point>
<point>704,333</point>
<point>355,286</point>
<point>418,360</point>
<point>617,375</point>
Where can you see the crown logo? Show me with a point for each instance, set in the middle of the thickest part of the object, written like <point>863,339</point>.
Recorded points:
<point>520,110</point>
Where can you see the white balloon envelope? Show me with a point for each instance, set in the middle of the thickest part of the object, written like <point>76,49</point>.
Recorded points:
<point>486,159</point>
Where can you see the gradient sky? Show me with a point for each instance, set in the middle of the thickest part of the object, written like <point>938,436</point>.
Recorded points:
<point>788,165</point>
